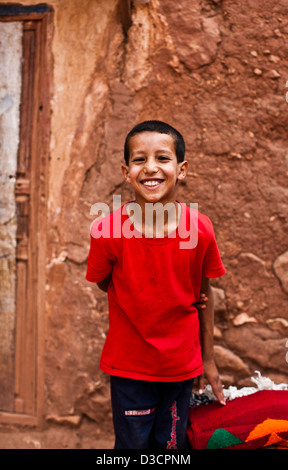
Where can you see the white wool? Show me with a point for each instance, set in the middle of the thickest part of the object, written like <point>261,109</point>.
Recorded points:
<point>262,383</point>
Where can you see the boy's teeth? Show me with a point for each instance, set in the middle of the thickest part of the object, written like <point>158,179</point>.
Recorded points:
<point>151,182</point>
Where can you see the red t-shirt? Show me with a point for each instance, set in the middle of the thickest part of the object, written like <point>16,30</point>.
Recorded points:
<point>153,325</point>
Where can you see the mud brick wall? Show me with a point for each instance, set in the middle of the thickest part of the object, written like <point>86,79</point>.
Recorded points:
<point>217,71</point>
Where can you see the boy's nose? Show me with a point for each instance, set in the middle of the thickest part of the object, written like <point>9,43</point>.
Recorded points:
<point>150,167</point>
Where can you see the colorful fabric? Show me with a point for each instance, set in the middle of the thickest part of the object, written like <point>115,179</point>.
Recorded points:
<point>254,421</point>
<point>153,324</point>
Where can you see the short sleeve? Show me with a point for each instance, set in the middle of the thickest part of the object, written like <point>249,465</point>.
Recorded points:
<point>212,263</point>
<point>99,262</point>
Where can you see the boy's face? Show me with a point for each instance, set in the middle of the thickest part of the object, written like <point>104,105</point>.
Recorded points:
<point>153,169</point>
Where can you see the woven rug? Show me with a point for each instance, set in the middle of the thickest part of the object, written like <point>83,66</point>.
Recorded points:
<point>254,421</point>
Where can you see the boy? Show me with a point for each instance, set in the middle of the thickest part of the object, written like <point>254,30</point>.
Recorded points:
<point>153,348</point>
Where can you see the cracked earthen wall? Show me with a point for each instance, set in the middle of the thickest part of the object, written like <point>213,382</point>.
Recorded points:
<point>217,71</point>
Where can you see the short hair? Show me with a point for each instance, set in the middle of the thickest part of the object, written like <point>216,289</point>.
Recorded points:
<point>162,128</point>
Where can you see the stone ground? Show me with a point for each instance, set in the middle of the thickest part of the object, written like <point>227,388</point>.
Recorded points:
<point>86,436</point>
<point>59,437</point>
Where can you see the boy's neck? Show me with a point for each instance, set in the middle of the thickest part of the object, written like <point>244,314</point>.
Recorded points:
<point>156,220</point>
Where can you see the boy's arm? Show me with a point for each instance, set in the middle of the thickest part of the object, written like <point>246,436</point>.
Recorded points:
<point>206,318</point>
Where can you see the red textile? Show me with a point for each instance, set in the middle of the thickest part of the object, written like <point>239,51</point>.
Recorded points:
<point>153,324</point>
<point>254,421</point>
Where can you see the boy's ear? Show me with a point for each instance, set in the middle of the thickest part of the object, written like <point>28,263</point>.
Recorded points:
<point>182,168</point>
<point>125,172</point>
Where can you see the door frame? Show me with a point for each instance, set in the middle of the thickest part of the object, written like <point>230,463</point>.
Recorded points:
<point>31,192</point>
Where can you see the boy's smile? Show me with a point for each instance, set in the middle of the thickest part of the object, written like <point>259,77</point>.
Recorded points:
<point>153,169</point>
<point>152,183</point>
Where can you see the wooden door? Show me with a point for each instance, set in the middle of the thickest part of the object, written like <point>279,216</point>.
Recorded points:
<point>25,99</point>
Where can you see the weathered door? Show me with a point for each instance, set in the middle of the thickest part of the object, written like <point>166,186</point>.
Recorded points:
<point>10,97</point>
<point>24,144</point>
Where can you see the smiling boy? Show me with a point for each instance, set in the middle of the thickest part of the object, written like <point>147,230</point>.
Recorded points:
<point>157,343</point>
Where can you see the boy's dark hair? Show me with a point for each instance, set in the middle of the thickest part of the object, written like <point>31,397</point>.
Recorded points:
<point>162,128</point>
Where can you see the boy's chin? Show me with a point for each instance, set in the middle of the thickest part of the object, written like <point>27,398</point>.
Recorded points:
<point>154,198</point>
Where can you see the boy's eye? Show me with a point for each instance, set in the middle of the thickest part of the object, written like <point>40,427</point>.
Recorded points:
<point>142,159</point>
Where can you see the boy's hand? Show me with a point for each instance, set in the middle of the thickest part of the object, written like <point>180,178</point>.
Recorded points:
<point>201,303</point>
<point>212,376</point>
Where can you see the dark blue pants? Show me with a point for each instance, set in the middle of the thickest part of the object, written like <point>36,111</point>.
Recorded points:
<point>150,415</point>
